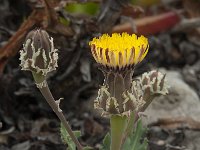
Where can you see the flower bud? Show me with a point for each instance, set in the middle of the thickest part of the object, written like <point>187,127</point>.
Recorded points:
<point>117,96</point>
<point>38,54</point>
<point>153,83</point>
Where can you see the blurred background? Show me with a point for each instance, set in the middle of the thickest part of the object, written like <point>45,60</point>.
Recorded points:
<point>173,30</point>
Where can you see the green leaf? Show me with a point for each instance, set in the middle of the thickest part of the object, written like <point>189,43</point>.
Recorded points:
<point>64,21</point>
<point>67,139</point>
<point>130,125</point>
<point>106,142</point>
<point>88,8</point>
<point>133,142</point>
<point>88,148</point>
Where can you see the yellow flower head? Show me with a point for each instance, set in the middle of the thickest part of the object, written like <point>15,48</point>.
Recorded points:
<point>119,50</point>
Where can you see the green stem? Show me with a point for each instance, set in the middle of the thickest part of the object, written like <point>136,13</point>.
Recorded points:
<point>130,126</point>
<point>118,126</point>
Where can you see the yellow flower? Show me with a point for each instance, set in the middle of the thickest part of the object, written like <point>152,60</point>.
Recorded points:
<point>119,50</point>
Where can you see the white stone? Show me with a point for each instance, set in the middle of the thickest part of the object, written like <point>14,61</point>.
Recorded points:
<point>182,101</point>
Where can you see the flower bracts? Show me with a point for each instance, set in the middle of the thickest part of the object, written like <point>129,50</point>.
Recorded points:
<point>133,99</point>
<point>38,53</point>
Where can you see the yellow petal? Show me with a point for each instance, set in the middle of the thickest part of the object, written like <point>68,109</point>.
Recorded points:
<point>119,50</point>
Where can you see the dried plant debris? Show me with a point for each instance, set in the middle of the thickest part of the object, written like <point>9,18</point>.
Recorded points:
<point>22,112</point>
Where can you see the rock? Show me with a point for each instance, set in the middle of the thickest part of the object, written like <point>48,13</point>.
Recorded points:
<point>181,101</point>
<point>191,75</point>
<point>22,146</point>
<point>192,140</point>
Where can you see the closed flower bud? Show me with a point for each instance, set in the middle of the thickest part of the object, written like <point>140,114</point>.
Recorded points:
<point>38,54</point>
<point>153,83</point>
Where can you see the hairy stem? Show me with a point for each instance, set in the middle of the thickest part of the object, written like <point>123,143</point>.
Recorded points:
<point>118,126</point>
<point>55,106</point>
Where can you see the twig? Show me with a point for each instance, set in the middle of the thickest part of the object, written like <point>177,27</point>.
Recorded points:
<point>151,24</point>
<point>15,42</point>
<point>109,14</point>
<point>180,122</point>
<point>187,24</point>
<point>169,146</point>
<point>10,32</point>
<point>36,19</point>
<point>52,21</point>
<point>175,147</point>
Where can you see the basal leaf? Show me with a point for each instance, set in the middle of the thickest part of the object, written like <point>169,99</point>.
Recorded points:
<point>133,142</point>
<point>67,139</point>
<point>106,142</point>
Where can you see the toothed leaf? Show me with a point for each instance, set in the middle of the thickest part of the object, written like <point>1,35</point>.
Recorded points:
<point>67,139</point>
<point>133,142</point>
<point>106,142</point>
